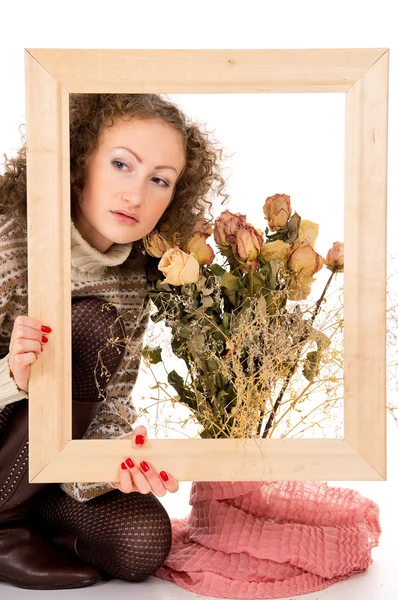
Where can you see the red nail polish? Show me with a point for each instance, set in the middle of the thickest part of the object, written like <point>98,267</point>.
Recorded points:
<point>124,466</point>
<point>44,339</point>
<point>130,463</point>
<point>144,466</point>
<point>45,329</point>
<point>139,439</point>
<point>163,475</point>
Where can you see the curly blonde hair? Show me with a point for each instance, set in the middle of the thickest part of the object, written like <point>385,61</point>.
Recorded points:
<point>89,115</point>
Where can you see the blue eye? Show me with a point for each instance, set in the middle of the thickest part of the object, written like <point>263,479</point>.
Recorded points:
<point>118,162</point>
<point>165,182</point>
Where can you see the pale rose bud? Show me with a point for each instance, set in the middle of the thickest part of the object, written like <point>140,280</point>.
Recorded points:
<point>275,250</point>
<point>308,231</point>
<point>248,243</point>
<point>203,228</point>
<point>250,266</point>
<point>179,267</point>
<point>203,252</point>
<point>299,288</point>
<point>335,258</point>
<point>225,227</point>
<point>155,244</point>
<point>304,261</point>
<point>277,211</point>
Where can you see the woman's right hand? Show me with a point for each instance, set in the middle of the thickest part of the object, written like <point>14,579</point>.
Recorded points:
<point>26,345</point>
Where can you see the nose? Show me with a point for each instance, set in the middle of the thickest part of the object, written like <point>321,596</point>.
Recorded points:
<point>135,194</point>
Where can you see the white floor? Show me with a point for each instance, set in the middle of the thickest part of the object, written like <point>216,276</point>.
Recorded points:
<point>380,582</point>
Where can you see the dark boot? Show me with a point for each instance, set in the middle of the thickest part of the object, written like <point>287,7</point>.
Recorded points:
<point>28,558</point>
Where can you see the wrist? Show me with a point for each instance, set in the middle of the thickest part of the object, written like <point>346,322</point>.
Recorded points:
<point>11,374</point>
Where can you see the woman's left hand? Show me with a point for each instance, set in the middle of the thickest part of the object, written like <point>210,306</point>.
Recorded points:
<point>143,478</point>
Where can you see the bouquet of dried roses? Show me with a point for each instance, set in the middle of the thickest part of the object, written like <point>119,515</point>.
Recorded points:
<point>238,324</point>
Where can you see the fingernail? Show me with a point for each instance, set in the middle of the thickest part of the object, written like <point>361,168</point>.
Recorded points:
<point>130,463</point>
<point>163,475</point>
<point>45,329</point>
<point>124,466</point>
<point>144,466</point>
<point>139,439</point>
<point>44,339</point>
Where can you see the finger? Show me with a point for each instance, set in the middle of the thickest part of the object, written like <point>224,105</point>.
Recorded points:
<point>140,435</point>
<point>30,328</point>
<point>153,478</point>
<point>126,485</point>
<point>25,359</point>
<point>23,346</point>
<point>169,482</point>
<point>138,478</point>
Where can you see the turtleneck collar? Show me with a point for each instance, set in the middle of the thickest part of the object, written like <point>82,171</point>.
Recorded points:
<point>90,264</point>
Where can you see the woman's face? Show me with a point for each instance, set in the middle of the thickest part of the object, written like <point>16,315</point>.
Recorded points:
<point>135,168</point>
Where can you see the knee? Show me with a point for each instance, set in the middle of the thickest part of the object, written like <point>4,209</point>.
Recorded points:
<point>149,532</point>
<point>141,541</point>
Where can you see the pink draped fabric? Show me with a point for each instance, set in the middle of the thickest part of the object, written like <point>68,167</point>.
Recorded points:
<point>254,540</point>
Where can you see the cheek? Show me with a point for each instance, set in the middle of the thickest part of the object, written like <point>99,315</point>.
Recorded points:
<point>153,215</point>
<point>100,184</point>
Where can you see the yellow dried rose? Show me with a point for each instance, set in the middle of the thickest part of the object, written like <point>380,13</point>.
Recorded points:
<point>197,246</point>
<point>155,244</point>
<point>304,261</point>
<point>275,250</point>
<point>277,211</point>
<point>179,267</point>
<point>308,231</point>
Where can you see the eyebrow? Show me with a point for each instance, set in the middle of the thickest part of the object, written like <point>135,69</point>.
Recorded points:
<point>140,159</point>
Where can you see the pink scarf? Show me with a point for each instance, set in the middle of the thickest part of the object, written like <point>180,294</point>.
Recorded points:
<point>254,540</point>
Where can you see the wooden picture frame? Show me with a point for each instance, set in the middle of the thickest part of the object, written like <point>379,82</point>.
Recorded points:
<point>362,74</point>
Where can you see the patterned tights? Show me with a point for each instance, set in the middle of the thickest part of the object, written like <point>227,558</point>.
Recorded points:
<point>127,536</point>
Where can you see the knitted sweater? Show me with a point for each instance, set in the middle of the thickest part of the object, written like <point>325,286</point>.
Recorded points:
<point>112,276</point>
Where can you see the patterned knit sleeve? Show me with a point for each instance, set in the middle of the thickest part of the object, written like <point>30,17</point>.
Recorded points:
<point>117,413</point>
<point>13,299</point>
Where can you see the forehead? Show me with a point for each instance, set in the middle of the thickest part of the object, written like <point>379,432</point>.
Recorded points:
<point>148,134</point>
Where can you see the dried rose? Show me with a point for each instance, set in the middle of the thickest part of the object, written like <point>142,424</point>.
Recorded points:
<point>248,243</point>
<point>226,226</point>
<point>335,258</point>
<point>202,227</point>
<point>197,246</point>
<point>277,211</point>
<point>308,231</point>
<point>275,250</point>
<point>155,244</point>
<point>179,267</point>
<point>304,261</point>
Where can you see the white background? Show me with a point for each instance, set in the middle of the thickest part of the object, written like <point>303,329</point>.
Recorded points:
<point>299,151</point>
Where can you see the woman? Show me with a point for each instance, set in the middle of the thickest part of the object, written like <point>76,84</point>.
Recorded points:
<point>136,163</point>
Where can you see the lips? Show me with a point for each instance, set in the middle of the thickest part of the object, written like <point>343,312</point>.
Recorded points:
<point>124,219</point>
<point>126,214</point>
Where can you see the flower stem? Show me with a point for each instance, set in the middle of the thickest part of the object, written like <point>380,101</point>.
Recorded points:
<point>251,283</point>
<point>294,366</point>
